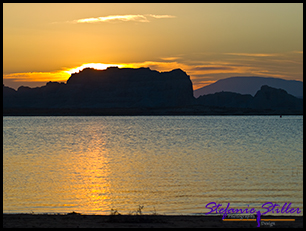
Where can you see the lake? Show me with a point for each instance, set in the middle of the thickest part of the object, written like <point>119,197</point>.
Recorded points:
<point>169,164</point>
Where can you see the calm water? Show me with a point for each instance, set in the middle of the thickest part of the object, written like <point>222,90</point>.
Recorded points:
<point>171,164</point>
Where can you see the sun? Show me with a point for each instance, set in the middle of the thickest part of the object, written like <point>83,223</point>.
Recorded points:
<point>97,66</point>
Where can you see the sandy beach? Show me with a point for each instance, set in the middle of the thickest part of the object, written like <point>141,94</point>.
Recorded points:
<point>74,220</point>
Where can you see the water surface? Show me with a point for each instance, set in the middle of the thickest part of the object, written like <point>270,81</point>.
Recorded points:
<point>168,164</point>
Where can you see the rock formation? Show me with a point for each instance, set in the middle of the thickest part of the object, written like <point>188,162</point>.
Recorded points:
<point>275,99</point>
<point>225,99</point>
<point>111,88</point>
<point>267,98</point>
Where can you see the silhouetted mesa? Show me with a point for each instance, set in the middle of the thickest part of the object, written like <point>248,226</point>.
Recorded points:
<point>111,88</point>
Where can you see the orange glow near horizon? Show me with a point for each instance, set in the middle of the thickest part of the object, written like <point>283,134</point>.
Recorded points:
<point>60,75</point>
<point>203,84</point>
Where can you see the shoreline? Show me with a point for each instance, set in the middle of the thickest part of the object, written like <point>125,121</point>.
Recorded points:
<point>179,111</point>
<point>76,220</point>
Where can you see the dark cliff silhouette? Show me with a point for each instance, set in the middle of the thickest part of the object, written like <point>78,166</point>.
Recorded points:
<point>250,85</point>
<point>111,88</point>
<point>129,91</point>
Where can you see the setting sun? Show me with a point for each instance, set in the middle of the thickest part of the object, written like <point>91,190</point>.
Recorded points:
<point>97,66</point>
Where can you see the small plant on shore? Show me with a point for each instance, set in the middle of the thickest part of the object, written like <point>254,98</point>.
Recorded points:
<point>114,212</point>
<point>138,211</point>
<point>154,212</point>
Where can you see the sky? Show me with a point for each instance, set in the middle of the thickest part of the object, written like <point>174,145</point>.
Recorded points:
<point>209,41</point>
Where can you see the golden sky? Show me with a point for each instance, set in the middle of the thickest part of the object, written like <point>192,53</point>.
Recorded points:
<point>47,42</point>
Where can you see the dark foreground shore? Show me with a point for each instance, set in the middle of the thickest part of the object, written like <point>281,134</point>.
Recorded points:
<point>138,221</point>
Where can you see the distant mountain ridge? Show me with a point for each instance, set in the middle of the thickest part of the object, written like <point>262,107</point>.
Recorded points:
<point>250,85</point>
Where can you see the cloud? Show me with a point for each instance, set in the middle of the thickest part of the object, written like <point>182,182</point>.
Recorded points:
<point>161,16</point>
<point>124,18</point>
<point>212,68</point>
<point>298,52</point>
<point>170,58</point>
<point>253,54</point>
